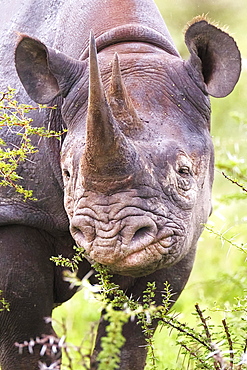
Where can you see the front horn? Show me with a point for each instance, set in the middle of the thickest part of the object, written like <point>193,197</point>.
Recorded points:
<point>108,153</point>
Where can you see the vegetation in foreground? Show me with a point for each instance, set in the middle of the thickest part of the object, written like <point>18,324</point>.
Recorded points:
<point>210,334</point>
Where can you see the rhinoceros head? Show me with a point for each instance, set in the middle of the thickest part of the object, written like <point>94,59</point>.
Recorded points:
<point>137,160</point>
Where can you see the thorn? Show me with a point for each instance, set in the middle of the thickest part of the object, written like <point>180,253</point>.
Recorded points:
<point>54,349</point>
<point>51,340</point>
<point>20,348</point>
<point>61,341</point>
<point>48,320</point>
<point>43,350</point>
<point>31,344</point>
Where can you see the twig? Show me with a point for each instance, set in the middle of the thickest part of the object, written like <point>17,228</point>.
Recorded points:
<point>229,339</point>
<point>182,328</point>
<point>224,239</point>
<point>204,322</point>
<point>194,354</point>
<point>235,182</point>
<point>65,348</point>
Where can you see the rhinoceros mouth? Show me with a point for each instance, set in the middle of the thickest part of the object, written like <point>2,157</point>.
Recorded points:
<point>136,263</point>
<point>132,32</point>
<point>146,251</point>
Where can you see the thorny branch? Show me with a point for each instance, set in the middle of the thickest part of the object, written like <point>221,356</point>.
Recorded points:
<point>183,329</point>
<point>235,182</point>
<point>204,322</point>
<point>51,346</point>
<point>229,339</point>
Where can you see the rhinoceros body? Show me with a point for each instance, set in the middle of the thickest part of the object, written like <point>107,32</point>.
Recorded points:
<point>131,182</point>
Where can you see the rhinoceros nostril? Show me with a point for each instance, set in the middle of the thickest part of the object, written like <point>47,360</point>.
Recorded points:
<point>82,234</point>
<point>77,232</point>
<point>141,233</point>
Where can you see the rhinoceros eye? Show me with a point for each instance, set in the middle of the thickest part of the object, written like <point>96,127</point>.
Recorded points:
<point>184,170</point>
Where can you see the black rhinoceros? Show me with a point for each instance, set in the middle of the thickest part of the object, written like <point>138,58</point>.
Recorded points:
<point>132,180</point>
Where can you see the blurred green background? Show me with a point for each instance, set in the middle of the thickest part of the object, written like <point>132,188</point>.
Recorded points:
<point>219,274</point>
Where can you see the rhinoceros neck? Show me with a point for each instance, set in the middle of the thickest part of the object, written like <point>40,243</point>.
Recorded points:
<point>114,19</point>
<point>103,15</point>
<point>132,32</point>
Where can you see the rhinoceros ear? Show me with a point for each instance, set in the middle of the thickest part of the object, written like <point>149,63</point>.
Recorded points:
<point>214,57</point>
<point>44,72</point>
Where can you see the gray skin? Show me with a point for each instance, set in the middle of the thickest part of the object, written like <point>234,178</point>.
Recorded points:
<point>135,169</point>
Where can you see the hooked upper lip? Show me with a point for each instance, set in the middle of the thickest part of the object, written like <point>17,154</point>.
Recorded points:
<point>109,249</point>
<point>129,238</point>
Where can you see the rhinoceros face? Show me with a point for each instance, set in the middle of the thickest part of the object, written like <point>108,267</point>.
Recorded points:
<point>137,160</point>
<point>138,166</point>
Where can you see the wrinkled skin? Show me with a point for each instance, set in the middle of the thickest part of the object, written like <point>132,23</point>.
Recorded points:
<point>143,226</point>
<point>135,169</point>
